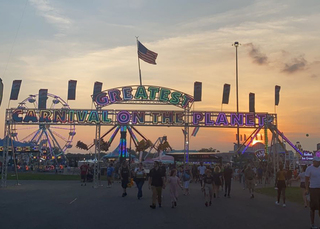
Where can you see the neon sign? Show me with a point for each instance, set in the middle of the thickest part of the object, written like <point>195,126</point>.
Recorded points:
<point>152,94</point>
<point>124,117</point>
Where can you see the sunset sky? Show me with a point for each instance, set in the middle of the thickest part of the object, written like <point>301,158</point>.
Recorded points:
<point>46,43</point>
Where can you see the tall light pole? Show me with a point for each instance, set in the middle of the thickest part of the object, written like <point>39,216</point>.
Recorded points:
<point>236,44</point>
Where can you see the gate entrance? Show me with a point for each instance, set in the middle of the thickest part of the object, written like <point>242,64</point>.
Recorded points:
<point>131,119</point>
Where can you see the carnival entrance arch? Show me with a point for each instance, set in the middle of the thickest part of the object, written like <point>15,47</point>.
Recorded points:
<point>141,94</point>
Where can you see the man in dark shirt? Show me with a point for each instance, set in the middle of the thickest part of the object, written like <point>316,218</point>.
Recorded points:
<point>156,183</point>
<point>227,174</point>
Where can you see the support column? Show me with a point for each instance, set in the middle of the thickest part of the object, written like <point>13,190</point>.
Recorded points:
<point>6,144</point>
<point>97,149</point>
<point>186,138</point>
<point>123,144</point>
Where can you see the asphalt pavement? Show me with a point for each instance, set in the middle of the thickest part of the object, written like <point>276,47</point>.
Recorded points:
<point>67,204</point>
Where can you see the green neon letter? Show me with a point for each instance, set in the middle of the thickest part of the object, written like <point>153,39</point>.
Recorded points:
<point>141,93</point>
<point>153,91</point>
<point>164,95</point>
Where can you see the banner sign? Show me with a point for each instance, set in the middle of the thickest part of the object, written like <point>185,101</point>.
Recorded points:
<point>123,117</point>
<point>307,156</point>
<point>16,84</point>
<point>138,94</point>
<point>226,93</point>
<point>72,84</point>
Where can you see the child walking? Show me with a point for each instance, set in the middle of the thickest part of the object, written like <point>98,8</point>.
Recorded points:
<point>174,182</point>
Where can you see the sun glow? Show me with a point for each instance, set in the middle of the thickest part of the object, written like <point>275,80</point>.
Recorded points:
<point>255,142</point>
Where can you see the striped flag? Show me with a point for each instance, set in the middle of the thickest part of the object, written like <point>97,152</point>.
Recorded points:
<point>146,55</point>
<point>195,131</point>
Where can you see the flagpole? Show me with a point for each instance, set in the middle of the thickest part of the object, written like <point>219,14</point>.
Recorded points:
<point>139,61</point>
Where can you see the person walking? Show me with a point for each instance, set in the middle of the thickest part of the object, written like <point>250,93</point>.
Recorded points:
<point>110,171</point>
<point>227,174</point>
<point>208,187</point>
<point>281,176</point>
<point>124,177</point>
<point>194,173</point>
<point>156,183</point>
<point>202,169</point>
<point>83,172</point>
<point>186,180</point>
<point>243,177</point>
<point>302,177</point>
<point>217,182</point>
<point>249,176</point>
<point>174,183</point>
<point>260,173</point>
<point>289,177</point>
<point>313,188</point>
<point>139,178</point>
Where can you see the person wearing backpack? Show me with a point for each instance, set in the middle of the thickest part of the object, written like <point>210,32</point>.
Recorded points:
<point>186,179</point>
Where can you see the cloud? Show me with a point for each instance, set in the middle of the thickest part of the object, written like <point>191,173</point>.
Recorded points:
<point>296,64</point>
<point>51,14</point>
<point>256,55</point>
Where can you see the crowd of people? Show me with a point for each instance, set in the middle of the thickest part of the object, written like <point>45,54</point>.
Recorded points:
<point>212,180</point>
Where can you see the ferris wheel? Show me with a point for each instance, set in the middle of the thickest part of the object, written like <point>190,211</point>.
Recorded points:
<point>52,140</point>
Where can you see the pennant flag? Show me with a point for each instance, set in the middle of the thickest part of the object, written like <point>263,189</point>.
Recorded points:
<point>195,131</point>
<point>146,55</point>
<point>197,91</point>
<point>277,95</point>
<point>226,93</point>
<point>15,89</point>
<point>252,102</point>
<point>97,88</point>
<point>1,91</point>
<point>72,89</point>
<point>43,96</point>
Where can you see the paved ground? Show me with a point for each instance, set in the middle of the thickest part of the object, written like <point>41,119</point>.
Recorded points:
<point>59,205</point>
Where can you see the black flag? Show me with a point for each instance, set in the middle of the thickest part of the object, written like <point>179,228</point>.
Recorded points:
<point>277,95</point>
<point>197,91</point>
<point>15,89</point>
<point>97,88</point>
<point>226,92</point>
<point>251,102</point>
<point>43,96</point>
<point>72,89</point>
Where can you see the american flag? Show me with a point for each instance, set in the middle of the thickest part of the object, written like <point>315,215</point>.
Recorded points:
<point>146,55</point>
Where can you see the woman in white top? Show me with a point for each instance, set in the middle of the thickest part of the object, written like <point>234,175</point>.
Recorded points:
<point>139,178</point>
<point>302,177</point>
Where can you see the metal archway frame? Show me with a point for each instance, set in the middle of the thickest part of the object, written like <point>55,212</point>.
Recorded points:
<point>99,117</point>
